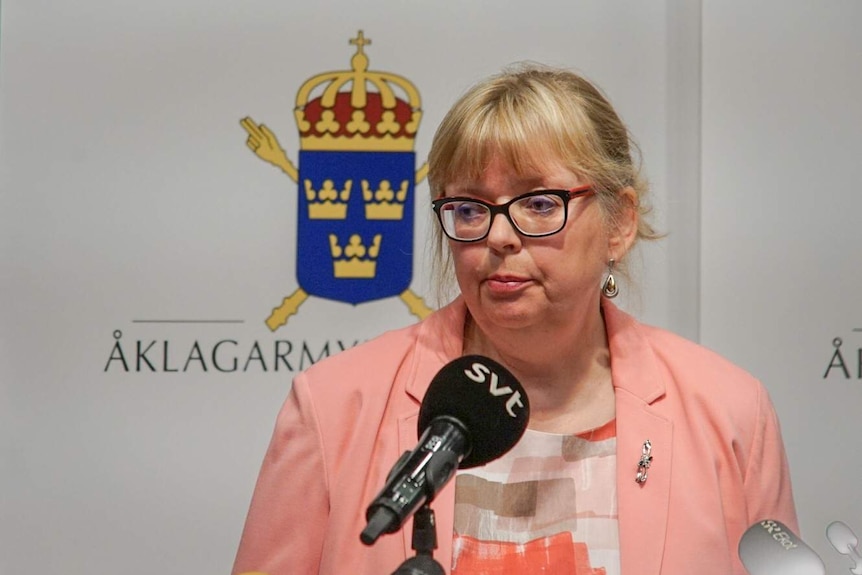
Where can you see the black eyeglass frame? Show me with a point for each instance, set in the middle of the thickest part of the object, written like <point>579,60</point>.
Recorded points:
<point>565,195</point>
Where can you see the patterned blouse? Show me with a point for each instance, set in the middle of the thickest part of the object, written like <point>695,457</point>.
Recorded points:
<point>549,506</point>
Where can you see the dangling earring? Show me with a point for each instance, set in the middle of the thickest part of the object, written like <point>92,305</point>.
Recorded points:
<point>609,286</point>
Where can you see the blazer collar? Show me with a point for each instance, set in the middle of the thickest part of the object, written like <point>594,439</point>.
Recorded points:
<point>638,383</point>
<point>440,340</point>
<point>634,366</point>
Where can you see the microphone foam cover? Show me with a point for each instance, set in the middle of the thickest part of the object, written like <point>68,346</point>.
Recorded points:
<point>770,548</point>
<point>486,398</point>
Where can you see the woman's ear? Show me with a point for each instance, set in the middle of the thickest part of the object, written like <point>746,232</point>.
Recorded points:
<point>623,236</point>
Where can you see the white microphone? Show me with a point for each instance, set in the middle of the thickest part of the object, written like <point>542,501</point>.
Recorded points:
<point>770,548</point>
<point>845,541</point>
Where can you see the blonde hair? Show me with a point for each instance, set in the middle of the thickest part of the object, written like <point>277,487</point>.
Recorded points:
<point>525,115</point>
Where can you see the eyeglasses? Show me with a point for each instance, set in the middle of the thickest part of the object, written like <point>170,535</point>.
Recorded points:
<point>534,214</point>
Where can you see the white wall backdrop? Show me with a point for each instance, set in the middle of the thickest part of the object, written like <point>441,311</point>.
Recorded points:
<point>132,214</point>
<point>782,266</point>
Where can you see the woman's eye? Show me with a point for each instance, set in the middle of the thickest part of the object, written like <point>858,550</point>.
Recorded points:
<point>468,211</point>
<point>541,204</point>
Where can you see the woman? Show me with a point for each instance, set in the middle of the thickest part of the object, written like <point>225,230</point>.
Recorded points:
<point>645,454</point>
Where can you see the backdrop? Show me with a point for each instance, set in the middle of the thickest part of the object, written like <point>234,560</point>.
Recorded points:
<point>161,280</point>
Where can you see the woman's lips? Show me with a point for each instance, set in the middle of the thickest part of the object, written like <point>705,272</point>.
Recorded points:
<point>503,284</point>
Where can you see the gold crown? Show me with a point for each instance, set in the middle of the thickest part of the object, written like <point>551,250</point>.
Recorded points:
<point>327,203</point>
<point>384,203</point>
<point>354,260</point>
<point>359,119</point>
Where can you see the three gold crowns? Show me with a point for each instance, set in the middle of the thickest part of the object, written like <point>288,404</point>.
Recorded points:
<point>328,203</point>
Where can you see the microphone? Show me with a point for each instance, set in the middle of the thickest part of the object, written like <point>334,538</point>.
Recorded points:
<point>845,541</point>
<point>770,548</point>
<point>473,412</point>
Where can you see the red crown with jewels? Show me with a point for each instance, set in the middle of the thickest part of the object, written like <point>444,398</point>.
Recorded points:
<point>358,109</point>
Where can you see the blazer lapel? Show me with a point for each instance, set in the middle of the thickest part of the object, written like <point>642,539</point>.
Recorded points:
<point>643,507</point>
<point>440,341</point>
<point>638,383</point>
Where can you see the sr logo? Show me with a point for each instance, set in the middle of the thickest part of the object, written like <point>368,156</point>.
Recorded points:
<point>783,537</point>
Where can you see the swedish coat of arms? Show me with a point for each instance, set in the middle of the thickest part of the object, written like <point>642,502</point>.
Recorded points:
<point>356,177</point>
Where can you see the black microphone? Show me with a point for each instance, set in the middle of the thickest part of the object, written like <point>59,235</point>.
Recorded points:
<point>770,548</point>
<point>473,412</point>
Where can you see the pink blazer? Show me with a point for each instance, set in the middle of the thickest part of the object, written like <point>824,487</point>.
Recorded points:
<point>718,459</point>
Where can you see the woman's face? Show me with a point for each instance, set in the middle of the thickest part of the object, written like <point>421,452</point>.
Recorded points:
<point>514,282</point>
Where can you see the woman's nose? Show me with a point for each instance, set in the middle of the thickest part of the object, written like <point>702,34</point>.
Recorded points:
<point>502,235</point>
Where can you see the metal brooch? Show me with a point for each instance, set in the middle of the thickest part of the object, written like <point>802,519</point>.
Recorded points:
<point>644,463</point>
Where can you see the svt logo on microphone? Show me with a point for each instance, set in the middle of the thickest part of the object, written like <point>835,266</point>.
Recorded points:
<point>479,374</point>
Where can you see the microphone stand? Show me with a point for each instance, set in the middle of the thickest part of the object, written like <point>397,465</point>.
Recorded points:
<point>424,542</point>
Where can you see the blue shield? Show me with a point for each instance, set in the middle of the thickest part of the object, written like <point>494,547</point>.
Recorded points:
<point>355,224</point>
